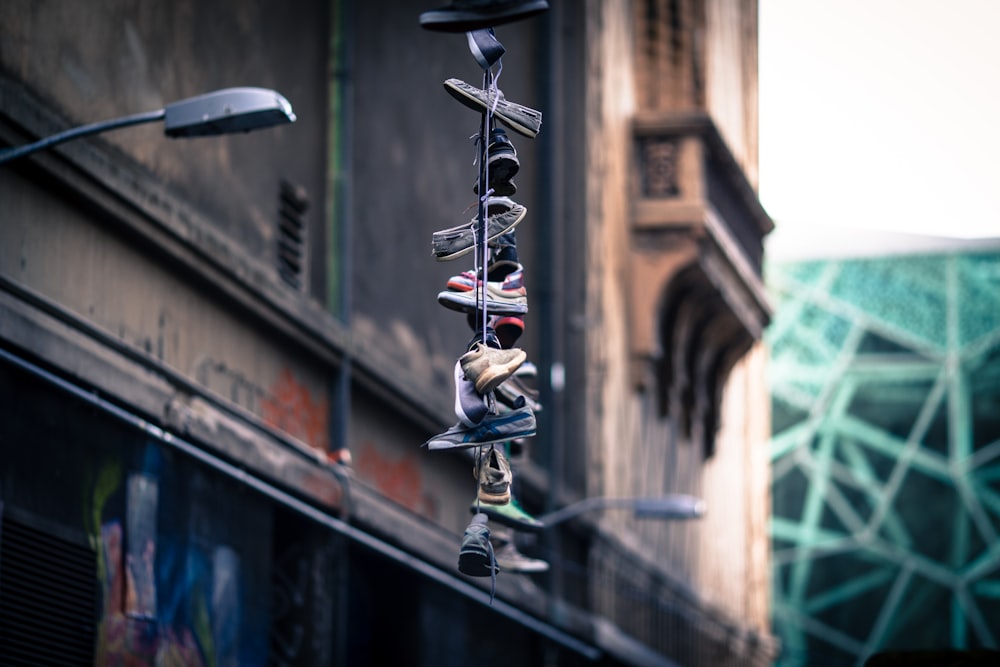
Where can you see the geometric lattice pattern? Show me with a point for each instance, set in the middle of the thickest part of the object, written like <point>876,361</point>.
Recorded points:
<point>885,384</point>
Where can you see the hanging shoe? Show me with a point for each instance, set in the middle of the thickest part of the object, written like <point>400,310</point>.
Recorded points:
<point>475,556</point>
<point>468,15</point>
<point>521,119</point>
<point>503,215</point>
<point>507,297</point>
<point>504,258</point>
<point>510,559</point>
<point>509,328</point>
<point>511,515</point>
<point>501,164</point>
<point>485,47</point>
<point>518,423</point>
<point>494,475</point>
<point>487,367</point>
<point>504,189</point>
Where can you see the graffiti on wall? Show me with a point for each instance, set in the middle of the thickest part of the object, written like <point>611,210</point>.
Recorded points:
<point>165,601</point>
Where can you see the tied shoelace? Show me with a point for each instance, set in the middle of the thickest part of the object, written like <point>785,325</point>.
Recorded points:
<point>478,138</point>
<point>493,570</point>
<point>489,543</point>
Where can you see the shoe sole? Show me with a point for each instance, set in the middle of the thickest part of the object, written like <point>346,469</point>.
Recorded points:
<point>507,189</point>
<point>502,168</point>
<point>461,302</point>
<point>474,563</point>
<point>510,522</point>
<point>447,19</point>
<point>493,376</point>
<point>493,498</point>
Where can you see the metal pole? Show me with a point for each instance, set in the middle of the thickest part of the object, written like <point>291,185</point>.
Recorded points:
<point>82,131</point>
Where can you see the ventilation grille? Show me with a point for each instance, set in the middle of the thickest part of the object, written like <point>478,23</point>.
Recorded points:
<point>291,233</point>
<point>48,598</point>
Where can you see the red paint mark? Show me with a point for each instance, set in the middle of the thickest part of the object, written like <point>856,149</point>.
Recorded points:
<point>323,488</point>
<point>398,479</point>
<point>291,408</point>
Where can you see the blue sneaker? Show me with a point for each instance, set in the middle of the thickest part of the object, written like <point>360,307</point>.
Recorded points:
<point>519,423</point>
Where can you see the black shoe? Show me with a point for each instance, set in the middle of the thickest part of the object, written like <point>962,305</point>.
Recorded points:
<point>504,259</point>
<point>469,15</point>
<point>476,558</point>
<point>485,47</point>
<point>501,164</point>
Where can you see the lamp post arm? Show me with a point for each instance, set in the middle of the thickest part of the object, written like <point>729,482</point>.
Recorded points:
<point>581,506</point>
<point>82,131</point>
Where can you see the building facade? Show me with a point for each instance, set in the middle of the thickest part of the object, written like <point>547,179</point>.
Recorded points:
<point>219,356</point>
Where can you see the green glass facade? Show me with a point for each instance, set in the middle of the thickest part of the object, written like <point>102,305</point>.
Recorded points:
<point>885,385</point>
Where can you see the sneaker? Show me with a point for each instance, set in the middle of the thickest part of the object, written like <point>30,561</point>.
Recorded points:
<point>510,559</point>
<point>487,367</point>
<point>508,329</point>
<point>503,214</point>
<point>494,475</point>
<point>518,423</point>
<point>511,515</point>
<point>469,15</point>
<point>501,164</point>
<point>504,258</point>
<point>506,297</point>
<point>503,189</point>
<point>475,556</point>
<point>521,119</point>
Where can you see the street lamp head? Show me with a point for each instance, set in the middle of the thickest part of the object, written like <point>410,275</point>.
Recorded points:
<point>674,506</point>
<point>227,111</point>
<point>219,112</point>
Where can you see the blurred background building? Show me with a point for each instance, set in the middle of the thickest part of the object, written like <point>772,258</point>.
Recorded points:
<point>219,356</point>
<point>885,383</point>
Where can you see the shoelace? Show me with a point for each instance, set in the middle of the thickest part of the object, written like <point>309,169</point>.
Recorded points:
<point>493,570</point>
<point>489,544</point>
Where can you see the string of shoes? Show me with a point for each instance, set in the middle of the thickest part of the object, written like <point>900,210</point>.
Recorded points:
<point>495,400</point>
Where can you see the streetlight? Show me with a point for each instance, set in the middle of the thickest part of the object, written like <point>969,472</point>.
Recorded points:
<point>220,112</point>
<point>674,506</point>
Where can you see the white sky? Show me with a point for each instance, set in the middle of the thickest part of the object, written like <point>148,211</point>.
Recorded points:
<point>881,114</point>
